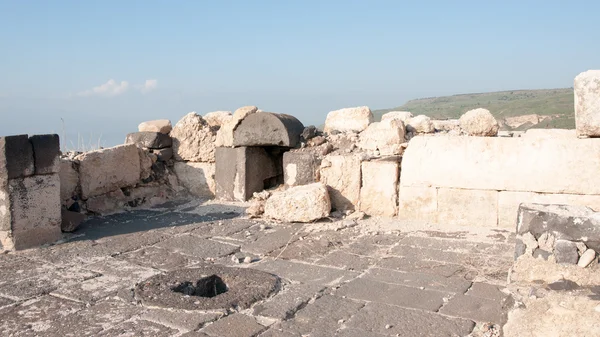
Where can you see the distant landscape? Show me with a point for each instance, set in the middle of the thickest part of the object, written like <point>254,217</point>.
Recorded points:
<point>553,107</point>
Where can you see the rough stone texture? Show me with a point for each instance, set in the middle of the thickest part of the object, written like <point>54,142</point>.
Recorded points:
<point>467,207</point>
<point>287,302</point>
<point>193,139</point>
<point>586,258</point>
<point>242,171</point>
<point>574,223</point>
<point>150,140</point>
<point>342,176</point>
<point>348,119</point>
<point>385,137</point>
<point>379,191</point>
<point>35,210</point>
<point>403,116</point>
<point>300,168</point>
<point>244,287</point>
<point>197,178</point>
<point>508,203</point>
<point>106,170</point>
<point>485,162</point>
<point>268,129</point>
<point>236,325</point>
<point>418,204</point>
<point>420,124</point>
<point>224,137</point>
<point>107,203</point>
<point>217,118</point>
<point>450,125</point>
<point>16,157</point>
<point>146,161</point>
<point>163,154</point>
<point>587,103</point>
<point>479,122</point>
<point>69,180</point>
<point>158,125</point>
<point>71,220</point>
<point>566,252</point>
<point>549,133</point>
<point>476,308</point>
<point>46,151</point>
<point>299,204</point>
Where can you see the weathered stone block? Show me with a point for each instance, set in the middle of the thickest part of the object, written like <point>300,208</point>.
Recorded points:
<point>299,204</point>
<point>69,179</point>
<point>217,118</point>
<point>403,116</point>
<point>163,154</point>
<point>107,203</point>
<point>242,171</point>
<point>197,178</point>
<point>503,164</point>
<point>106,170</point>
<point>418,204</point>
<point>35,210</point>
<point>268,129</point>
<point>587,103</point>
<point>300,168</point>
<point>150,140</point>
<point>16,157</point>
<point>467,207</point>
<point>46,153</point>
<point>193,139</point>
<point>159,125</point>
<point>348,119</point>
<point>385,137</point>
<point>420,124</point>
<point>479,122</point>
<point>379,191</point>
<point>341,174</point>
<point>566,252</point>
<point>573,223</point>
<point>224,137</point>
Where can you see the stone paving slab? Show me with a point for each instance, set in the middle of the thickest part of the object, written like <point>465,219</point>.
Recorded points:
<point>485,290</point>
<point>271,240</point>
<point>414,264</point>
<point>135,328</point>
<point>313,246</point>
<point>158,258</point>
<point>236,325</point>
<point>408,297</point>
<point>179,319</point>
<point>390,320</point>
<point>285,304</point>
<point>305,273</point>
<point>419,280</point>
<point>475,308</point>
<point>198,247</point>
<point>348,261</point>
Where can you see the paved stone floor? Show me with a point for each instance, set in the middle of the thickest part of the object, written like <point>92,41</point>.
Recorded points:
<point>338,278</point>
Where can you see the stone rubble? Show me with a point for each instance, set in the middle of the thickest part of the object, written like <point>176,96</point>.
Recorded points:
<point>479,122</point>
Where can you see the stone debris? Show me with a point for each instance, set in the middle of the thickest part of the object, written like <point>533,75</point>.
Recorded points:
<point>403,116</point>
<point>218,118</point>
<point>160,125</point>
<point>193,139</point>
<point>299,204</point>
<point>479,122</point>
<point>420,124</point>
<point>348,120</point>
<point>385,137</point>
<point>586,258</point>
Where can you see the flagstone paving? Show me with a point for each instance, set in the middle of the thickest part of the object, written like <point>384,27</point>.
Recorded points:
<point>344,280</point>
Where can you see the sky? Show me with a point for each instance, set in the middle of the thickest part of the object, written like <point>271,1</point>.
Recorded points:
<point>91,71</point>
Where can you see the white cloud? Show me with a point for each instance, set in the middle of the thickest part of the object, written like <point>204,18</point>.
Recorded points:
<point>110,88</point>
<point>148,86</point>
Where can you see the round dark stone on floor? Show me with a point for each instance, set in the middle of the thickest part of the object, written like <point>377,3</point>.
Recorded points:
<point>208,287</point>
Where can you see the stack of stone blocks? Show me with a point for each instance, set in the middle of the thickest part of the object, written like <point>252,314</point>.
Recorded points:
<point>29,191</point>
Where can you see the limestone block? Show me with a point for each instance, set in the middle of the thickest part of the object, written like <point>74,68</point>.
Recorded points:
<point>106,170</point>
<point>467,207</point>
<point>566,222</point>
<point>268,129</point>
<point>35,210</point>
<point>420,124</point>
<point>587,103</point>
<point>418,204</point>
<point>479,122</point>
<point>403,116</point>
<point>69,179</point>
<point>193,139</point>
<point>224,137</point>
<point>149,140</point>
<point>503,164</point>
<point>379,191</point>
<point>46,153</point>
<point>342,176</point>
<point>159,125</point>
<point>348,119</point>
<point>197,178</point>
<point>549,133</point>
<point>508,203</point>
<point>300,168</point>
<point>242,171</point>
<point>217,118</point>
<point>385,137</point>
<point>16,157</point>
<point>299,204</point>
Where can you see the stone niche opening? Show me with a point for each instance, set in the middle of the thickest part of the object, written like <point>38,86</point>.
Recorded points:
<point>255,162</point>
<point>209,287</point>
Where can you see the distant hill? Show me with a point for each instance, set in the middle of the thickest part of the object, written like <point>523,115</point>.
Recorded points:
<point>553,106</point>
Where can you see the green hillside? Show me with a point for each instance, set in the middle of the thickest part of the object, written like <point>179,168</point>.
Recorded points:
<point>557,103</point>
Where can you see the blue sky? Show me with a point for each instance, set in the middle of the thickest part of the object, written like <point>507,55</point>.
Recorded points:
<point>166,58</point>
